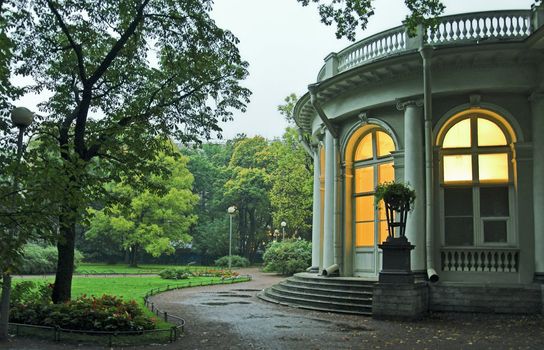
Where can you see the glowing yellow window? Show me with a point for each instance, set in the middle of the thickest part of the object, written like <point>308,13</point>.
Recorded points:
<point>364,149</point>
<point>489,134</point>
<point>493,167</point>
<point>364,234</point>
<point>386,172</point>
<point>384,144</point>
<point>458,136</point>
<point>364,179</point>
<point>364,208</point>
<point>457,168</point>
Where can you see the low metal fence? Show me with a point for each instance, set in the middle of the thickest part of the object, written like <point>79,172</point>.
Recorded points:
<point>124,338</point>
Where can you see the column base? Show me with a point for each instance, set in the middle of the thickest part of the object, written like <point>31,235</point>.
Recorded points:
<point>313,269</point>
<point>539,277</point>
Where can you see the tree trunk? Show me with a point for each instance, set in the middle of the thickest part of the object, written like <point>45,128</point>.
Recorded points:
<point>62,290</point>
<point>252,234</point>
<point>133,256</point>
<point>4,306</point>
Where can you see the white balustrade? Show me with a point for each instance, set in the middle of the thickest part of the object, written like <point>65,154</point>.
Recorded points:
<point>480,259</point>
<point>478,27</point>
<point>380,45</point>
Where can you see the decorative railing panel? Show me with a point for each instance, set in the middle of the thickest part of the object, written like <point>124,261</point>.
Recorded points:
<point>481,26</point>
<point>380,45</point>
<point>480,259</point>
<point>458,29</point>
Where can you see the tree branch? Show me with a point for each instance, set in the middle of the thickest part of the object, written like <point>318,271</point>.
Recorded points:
<point>119,44</point>
<point>75,46</point>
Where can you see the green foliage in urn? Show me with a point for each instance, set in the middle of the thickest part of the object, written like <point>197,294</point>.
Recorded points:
<point>396,194</point>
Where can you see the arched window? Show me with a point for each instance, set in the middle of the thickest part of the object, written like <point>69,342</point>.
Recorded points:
<point>477,181</point>
<point>373,164</point>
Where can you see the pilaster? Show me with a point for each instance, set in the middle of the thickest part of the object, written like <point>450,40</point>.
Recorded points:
<point>316,218</point>
<point>537,107</point>
<point>414,175</point>
<point>329,205</point>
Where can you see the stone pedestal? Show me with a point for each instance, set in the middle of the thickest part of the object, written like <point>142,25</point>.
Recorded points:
<point>396,266</point>
<point>400,301</point>
<point>396,296</point>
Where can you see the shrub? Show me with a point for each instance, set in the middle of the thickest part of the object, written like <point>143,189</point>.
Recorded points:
<point>175,274</point>
<point>30,291</point>
<point>288,257</point>
<point>216,273</point>
<point>107,313</point>
<point>237,261</point>
<point>38,259</point>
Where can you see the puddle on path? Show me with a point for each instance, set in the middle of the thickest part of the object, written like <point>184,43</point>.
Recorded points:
<point>247,290</point>
<point>348,327</point>
<point>282,326</point>
<point>225,303</point>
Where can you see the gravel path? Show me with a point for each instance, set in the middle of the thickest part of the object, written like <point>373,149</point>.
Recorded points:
<point>232,317</point>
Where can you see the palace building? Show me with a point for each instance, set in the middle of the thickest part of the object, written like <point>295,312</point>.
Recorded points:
<point>457,112</point>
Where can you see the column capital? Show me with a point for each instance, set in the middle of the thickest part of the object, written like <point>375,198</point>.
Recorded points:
<point>537,95</point>
<point>523,151</point>
<point>403,104</point>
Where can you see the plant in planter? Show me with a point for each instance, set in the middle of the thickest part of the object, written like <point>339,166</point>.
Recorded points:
<point>399,199</point>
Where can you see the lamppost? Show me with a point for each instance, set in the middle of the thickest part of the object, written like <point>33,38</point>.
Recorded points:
<point>283,224</point>
<point>231,210</point>
<point>21,118</point>
<point>276,234</point>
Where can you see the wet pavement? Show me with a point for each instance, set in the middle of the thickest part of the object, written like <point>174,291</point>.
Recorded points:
<point>232,317</point>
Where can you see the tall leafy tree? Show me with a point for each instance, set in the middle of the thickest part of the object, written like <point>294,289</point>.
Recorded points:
<point>291,185</point>
<point>155,221</point>
<point>248,189</point>
<point>208,164</point>
<point>120,73</point>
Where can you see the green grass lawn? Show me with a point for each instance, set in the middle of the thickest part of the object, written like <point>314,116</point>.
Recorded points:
<point>127,287</point>
<point>102,268</point>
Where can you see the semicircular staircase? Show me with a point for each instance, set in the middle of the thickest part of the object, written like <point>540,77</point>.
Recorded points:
<point>315,292</point>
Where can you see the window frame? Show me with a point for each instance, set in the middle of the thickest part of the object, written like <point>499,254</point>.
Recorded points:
<point>475,184</point>
<point>375,162</point>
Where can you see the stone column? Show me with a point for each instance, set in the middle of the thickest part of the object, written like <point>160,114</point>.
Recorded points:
<point>414,174</point>
<point>537,104</point>
<point>329,207</point>
<point>316,219</point>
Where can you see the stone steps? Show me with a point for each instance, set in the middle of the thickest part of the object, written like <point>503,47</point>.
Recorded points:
<point>342,295</point>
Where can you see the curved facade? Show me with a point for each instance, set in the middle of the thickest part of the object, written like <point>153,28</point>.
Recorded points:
<point>457,112</point>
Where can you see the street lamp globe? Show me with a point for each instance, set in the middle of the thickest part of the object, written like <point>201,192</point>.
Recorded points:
<point>21,117</point>
<point>231,210</point>
<point>283,224</point>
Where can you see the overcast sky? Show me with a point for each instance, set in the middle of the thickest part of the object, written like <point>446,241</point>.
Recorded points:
<point>285,45</point>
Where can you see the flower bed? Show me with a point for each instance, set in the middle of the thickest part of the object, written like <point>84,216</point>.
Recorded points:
<point>106,313</point>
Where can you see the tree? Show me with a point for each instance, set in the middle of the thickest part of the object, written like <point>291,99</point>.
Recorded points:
<point>292,184</point>
<point>348,15</point>
<point>156,221</point>
<point>208,164</point>
<point>121,73</point>
<point>27,213</point>
<point>248,189</point>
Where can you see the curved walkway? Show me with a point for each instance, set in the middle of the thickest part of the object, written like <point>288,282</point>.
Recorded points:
<point>232,317</point>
